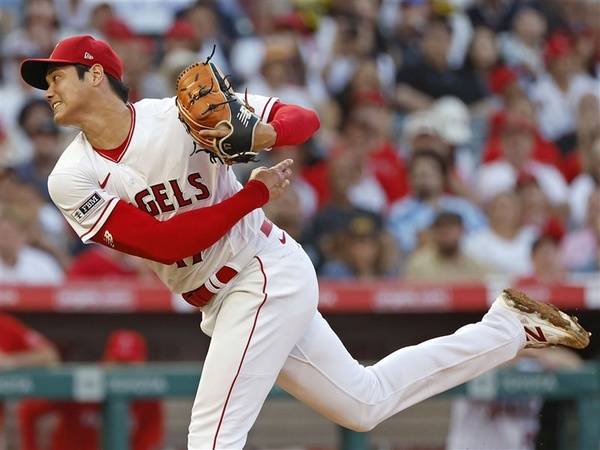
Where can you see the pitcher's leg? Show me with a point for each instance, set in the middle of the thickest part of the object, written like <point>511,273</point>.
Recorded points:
<point>260,321</point>
<point>321,373</point>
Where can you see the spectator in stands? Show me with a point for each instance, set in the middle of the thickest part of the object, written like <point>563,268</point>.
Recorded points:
<point>74,15</point>
<point>483,56</point>
<point>178,51</point>
<point>277,73</point>
<point>172,64</point>
<point>564,15</point>
<point>357,39</point>
<point>545,256</point>
<point>413,214</point>
<point>148,18</point>
<point>300,25</point>
<point>7,149</point>
<point>365,86</point>
<point>453,117</point>
<point>517,139</point>
<point>47,148</point>
<point>422,131</point>
<point>383,158</point>
<point>22,347</point>
<point>536,207</point>
<point>557,93</point>
<point>9,185</point>
<point>586,43</point>
<point>496,14</point>
<point>342,173</point>
<point>503,83</point>
<point>44,226</point>
<point>403,40</point>
<point>584,184</point>
<point>504,246</point>
<point>521,46</point>
<point>365,190</point>
<point>441,259</point>
<point>40,29</point>
<point>181,35</point>
<point>21,263</point>
<point>518,107</point>
<point>100,14</point>
<point>32,114</point>
<point>35,37</point>
<point>362,251</point>
<point>431,77</point>
<point>580,158</point>
<point>78,423</point>
<point>206,20</point>
<point>139,73</point>
<point>580,247</point>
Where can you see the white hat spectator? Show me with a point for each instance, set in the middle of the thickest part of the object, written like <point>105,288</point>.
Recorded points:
<point>452,115</point>
<point>421,123</point>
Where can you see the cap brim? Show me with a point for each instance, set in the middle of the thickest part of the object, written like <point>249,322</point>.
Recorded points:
<point>34,71</point>
<point>459,137</point>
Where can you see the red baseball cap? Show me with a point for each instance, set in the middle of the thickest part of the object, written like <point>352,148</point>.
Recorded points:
<point>181,29</point>
<point>557,46</point>
<point>501,77</point>
<point>74,50</point>
<point>125,346</point>
<point>115,28</point>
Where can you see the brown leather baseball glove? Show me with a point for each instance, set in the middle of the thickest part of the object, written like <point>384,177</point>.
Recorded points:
<point>206,100</point>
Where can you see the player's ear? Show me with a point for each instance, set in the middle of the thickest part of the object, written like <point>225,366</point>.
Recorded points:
<point>97,73</point>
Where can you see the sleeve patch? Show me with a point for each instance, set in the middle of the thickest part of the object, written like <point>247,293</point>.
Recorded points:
<point>88,206</point>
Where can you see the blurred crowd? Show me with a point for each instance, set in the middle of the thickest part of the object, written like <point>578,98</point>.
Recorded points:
<point>459,140</point>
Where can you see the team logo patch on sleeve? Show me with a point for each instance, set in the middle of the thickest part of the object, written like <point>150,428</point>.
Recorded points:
<point>88,206</point>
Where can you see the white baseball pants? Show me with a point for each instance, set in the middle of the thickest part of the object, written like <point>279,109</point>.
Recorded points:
<point>265,328</point>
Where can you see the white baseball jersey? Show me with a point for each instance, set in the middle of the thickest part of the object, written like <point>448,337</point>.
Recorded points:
<point>158,172</point>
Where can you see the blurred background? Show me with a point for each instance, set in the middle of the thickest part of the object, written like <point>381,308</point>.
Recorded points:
<point>459,154</point>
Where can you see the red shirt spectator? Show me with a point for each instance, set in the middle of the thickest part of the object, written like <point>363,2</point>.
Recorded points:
<point>543,150</point>
<point>366,133</point>
<point>21,346</point>
<point>78,425</point>
<point>571,166</point>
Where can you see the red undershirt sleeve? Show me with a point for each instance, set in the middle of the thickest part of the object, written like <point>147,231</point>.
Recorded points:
<point>293,124</point>
<point>137,233</point>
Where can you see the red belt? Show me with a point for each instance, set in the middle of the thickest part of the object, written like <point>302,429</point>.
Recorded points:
<point>201,296</point>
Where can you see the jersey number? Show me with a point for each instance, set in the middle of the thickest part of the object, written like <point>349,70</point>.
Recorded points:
<point>195,260</point>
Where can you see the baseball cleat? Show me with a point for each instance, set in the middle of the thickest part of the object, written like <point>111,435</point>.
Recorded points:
<point>545,325</point>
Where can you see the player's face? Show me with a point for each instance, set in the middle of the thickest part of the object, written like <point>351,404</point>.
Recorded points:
<point>66,94</point>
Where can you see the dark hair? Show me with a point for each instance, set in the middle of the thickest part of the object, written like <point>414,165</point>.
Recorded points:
<point>436,20</point>
<point>432,155</point>
<point>541,240</point>
<point>448,217</point>
<point>31,105</point>
<point>118,87</point>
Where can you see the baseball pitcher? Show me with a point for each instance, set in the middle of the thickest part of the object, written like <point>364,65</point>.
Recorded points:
<point>153,179</point>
